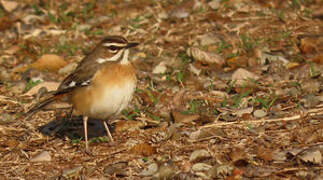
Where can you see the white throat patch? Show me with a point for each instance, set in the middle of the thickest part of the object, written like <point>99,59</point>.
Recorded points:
<point>113,58</point>
<point>125,57</point>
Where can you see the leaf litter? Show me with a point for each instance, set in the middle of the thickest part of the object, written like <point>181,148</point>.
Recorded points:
<point>236,83</point>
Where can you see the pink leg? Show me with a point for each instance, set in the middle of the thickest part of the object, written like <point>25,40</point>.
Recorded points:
<point>107,129</point>
<point>85,118</point>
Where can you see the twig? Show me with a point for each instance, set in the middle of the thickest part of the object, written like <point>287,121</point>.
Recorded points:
<point>8,99</point>
<point>208,138</point>
<point>252,18</point>
<point>298,169</point>
<point>311,112</point>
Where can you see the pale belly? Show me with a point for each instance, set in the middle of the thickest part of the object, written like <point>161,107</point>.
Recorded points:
<point>102,103</point>
<point>113,100</point>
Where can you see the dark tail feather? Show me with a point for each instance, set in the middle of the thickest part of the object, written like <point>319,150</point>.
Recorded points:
<point>41,104</point>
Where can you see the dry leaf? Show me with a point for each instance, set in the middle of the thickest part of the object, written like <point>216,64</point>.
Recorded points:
<point>238,154</point>
<point>41,157</point>
<point>292,65</point>
<point>5,23</point>
<point>199,155</point>
<point>314,157</point>
<point>184,118</point>
<point>308,45</point>
<point>205,57</point>
<point>12,50</point>
<point>160,68</point>
<point>49,62</point>
<point>318,59</point>
<point>241,76</point>
<point>9,5</point>
<point>242,112</point>
<point>194,70</point>
<point>236,62</point>
<point>265,154</point>
<point>143,149</point>
<point>50,86</point>
<point>128,125</point>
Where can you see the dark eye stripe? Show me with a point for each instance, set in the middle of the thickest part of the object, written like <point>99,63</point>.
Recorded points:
<point>114,48</point>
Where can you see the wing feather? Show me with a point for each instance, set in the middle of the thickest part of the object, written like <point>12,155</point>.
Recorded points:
<point>83,74</point>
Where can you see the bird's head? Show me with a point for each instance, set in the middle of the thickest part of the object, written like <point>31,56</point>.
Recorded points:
<point>115,48</point>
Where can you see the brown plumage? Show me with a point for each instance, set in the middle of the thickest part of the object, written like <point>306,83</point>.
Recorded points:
<point>101,85</point>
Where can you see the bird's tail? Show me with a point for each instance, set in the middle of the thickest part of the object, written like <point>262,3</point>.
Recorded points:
<point>41,104</point>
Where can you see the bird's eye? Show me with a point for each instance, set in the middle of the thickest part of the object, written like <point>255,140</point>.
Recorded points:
<point>113,48</point>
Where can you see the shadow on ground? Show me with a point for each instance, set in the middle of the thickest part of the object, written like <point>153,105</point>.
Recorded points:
<point>73,128</point>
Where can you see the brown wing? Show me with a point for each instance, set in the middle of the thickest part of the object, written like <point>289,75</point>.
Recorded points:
<point>83,73</point>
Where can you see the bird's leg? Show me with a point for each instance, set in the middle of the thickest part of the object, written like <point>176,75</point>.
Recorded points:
<point>107,129</point>
<point>85,118</point>
<point>70,114</point>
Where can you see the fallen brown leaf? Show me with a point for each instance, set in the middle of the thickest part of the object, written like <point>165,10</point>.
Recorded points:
<point>49,62</point>
<point>143,149</point>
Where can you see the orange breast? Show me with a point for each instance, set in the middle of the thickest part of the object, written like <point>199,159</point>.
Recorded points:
<point>110,91</point>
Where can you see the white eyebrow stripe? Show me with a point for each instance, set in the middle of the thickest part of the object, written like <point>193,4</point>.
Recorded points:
<point>114,44</point>
<point>113,58</point>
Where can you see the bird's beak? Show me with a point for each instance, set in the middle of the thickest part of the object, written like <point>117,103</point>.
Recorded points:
<point>132,44</point>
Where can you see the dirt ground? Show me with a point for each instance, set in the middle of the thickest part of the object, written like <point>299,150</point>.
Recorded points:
<point>227,89</point>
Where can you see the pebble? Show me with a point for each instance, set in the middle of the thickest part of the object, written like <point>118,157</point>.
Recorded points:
<point>41,157</point>
<point>117,169</point>
<point>241,76</point>
<point>151,170</point>
<point>73,173</point>
<point>201,167</point>
<point>199,155</point>
<point>6,118</point>
<point>160,68</point>
<point>215,4</point>
<point>259,113</point>
<point>166,171</point>
<point>18,88</point>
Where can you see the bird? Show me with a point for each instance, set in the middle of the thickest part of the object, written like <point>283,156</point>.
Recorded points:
<point>102,84</point>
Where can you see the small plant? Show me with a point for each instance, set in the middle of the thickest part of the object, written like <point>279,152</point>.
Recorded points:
<point>237,98</point>
<point>37,10</point>
<point>223,45</point>
<point>296,4</point>
<point>135,23</point>
<point>224,103</point>
<point>266,102</point>
<point>314,72</point>
<point>76,141</point>
<point>69,48</point>
<point>230,87</point>
<point>154,99</point>
<point>32,84</point>
<point>52,17</point>
<point>248,43</point>
<point>145,159</point>
<point>88,7</point>
<point>128,115</point>
<point>180,77</point>
<point>100,139</point>
<point>232,55</point>
<point>185,58</point>
<point>154,117</point>
<point>194,107</point>
<point>215,111</point>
